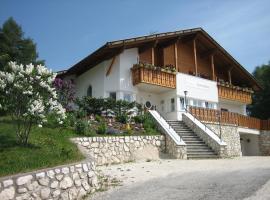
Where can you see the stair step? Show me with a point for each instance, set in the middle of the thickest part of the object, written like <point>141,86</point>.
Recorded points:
<point>190,151</point>
<point>194,142</point>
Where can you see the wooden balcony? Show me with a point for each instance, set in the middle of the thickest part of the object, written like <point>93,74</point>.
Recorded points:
<point>211,115</point>
<point>234,93</point>
<point>154,77</point>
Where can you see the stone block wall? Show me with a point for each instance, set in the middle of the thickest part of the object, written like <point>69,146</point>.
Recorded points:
<point>264,143</point>
<point>221,150</point>
<point>174,150</point>
<point>120,149</point>
<point>67,182</point>
<point>230,135</point>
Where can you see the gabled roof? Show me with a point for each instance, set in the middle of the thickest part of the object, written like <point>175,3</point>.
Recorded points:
<point>113,48</point>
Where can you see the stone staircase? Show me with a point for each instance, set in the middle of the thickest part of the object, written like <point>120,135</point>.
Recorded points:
<point>196,147</point>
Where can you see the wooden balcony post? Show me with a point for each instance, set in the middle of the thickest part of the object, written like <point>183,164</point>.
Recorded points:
<point>152,56</point>
<point>212,66</point>
<point>195,56</point>
<point>175,55</point>
<point>230,76</point>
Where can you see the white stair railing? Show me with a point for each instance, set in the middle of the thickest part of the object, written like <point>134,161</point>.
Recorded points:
<point>166,127</point>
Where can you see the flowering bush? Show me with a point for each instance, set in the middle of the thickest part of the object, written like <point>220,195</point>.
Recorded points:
<point>26,93</point>
<point>66,92</point>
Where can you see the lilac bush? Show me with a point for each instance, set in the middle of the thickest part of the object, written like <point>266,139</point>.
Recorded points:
<point>66,92</point>
<point>27,94</point>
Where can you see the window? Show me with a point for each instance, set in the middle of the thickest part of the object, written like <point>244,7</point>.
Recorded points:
<point>172,105</point>
<point>207,105</point>
<point>112,95</point>
<point>127,97</point>
<point>89,91</point>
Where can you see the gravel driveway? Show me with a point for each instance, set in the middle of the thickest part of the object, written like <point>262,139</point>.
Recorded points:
<point>241,178</point>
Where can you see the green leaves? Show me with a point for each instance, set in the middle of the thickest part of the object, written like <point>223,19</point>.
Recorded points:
<point>15,47</point>
<point>261,99</point>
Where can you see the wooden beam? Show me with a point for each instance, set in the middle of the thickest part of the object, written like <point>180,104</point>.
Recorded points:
<point>189,38</point>
<point>230,75</point>
<point>110,67</point>
<point>175,55</point>
<point>153,56</point>
<point>213,67</point>
<point>195,57</point>
<point>208,53</point>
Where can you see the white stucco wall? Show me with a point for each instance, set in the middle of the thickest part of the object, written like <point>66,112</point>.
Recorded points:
<point>233,106</point>
<point>198,88</point>
<point>94,77</point>
<point>249,145</point>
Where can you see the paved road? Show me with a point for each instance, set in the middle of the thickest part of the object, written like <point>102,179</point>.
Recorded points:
<point>247,178</point>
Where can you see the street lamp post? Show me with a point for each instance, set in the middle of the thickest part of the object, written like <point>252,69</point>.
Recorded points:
<point>186,92</point>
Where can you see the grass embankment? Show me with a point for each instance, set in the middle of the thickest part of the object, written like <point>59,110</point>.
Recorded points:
<point>47,147</point>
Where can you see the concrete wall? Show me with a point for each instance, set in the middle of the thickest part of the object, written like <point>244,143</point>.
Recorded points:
<point>249,145</point>
<point>198,88</point>
<point>233,106</point>
<point>67,182</point>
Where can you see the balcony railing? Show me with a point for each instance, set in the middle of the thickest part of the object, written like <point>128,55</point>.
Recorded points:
<point>211,115</point>
<point>153,76</point>
<point>235,93</point>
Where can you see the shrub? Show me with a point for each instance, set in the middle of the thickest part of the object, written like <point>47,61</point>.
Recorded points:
<point>65,91</point>
<point>102,128</point>
<point>122,118</point>
<point>149,123</point>
<point>81,127</point>
<point>99,118</point>
<point>26,93</point>
<point>139,119</point>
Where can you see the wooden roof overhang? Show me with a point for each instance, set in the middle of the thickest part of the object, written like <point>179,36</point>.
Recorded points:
<point>206,45</point>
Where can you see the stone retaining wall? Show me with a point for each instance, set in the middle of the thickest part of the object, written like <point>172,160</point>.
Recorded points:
<point>264,143</point>
<point>67,182</point>
<point>120,149</point>
<point>174,150</point>
<point>230,135</point>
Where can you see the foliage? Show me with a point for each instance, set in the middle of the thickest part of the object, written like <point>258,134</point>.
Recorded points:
<point>14,46</point>
<point>149,123</point>
<point>81,127</point>
<point>139,119</point>
<point>26,93</point>
<point>48,147</point>
<point>66,92</point>
<point>122,118</point>
<point>97,105</point>
<point>261,99</point>
<point>102,128</point>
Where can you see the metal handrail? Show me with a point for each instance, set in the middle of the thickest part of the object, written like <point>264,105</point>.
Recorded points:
<point>205,127</point>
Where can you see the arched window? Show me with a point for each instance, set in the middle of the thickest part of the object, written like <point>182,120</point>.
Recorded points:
<point>89,91</point>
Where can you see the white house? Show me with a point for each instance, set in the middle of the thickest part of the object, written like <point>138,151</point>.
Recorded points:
<point>157,69</point>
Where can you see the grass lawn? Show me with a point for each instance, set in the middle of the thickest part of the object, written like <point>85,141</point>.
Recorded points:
<point>48,147</point>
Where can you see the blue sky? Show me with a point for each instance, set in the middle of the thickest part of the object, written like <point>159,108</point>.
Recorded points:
<point>67,30</point>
